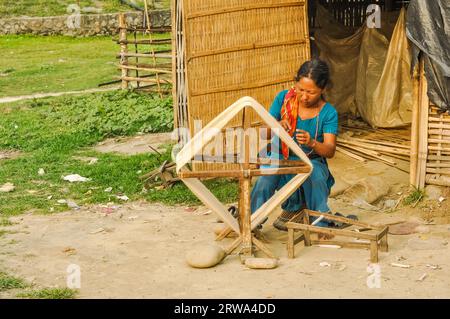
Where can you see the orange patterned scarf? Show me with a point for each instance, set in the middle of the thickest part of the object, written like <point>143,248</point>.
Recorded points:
<point>289,112</point>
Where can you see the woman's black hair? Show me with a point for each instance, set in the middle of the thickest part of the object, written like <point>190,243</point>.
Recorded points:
<point>316,70</point>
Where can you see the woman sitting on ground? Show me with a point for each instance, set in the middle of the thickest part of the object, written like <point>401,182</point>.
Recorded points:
<point>313,123</point>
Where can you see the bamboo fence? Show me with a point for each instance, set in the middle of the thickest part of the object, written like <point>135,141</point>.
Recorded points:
<point>140,61</point>
<point>430,143</point>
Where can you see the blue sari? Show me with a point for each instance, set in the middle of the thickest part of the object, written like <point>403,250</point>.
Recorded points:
<point>314,192</point>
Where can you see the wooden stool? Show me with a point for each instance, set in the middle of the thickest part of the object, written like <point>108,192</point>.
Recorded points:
<point>376,235</point>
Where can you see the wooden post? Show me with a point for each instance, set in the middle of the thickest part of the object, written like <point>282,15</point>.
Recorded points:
<point>245,217</point>
<point>424,106</point>
<point>307,233</point>
<point>373,251</point>
<point>441,139</point>
<point>176,106</point>
<point>290,243</point>
<point>245,184</point>
<point>123,49</point>
<point>136,58</point>
<point>415,127</point>
<point>384,247</point>
<point>152,50</point>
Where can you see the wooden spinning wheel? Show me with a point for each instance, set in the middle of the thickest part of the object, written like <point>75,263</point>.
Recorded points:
<point>249,167</point>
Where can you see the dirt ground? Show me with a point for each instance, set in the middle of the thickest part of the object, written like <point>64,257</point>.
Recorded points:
<point>11,99</point>
<point>9,154</point>
<point>137,250</point>
<point>135,144</point>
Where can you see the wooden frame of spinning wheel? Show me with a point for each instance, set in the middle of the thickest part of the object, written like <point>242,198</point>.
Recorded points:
<point>248,169</point>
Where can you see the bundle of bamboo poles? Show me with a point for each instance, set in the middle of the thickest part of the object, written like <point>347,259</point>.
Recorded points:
<point>361,142</point>
<point>155,73</point>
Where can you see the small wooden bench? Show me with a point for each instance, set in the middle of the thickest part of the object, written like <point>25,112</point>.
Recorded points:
<point>375,235</point>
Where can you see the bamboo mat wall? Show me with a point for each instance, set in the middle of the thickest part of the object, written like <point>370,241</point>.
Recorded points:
<point>235,48</point>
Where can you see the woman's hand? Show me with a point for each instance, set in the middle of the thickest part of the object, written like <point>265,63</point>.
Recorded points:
<point>285,124</point>
<point>303,138</point>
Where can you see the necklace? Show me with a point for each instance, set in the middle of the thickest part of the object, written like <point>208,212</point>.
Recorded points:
<point>317,131</point>
<point>317,128</point>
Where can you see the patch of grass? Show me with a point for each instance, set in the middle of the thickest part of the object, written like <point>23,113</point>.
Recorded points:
<point>49,293</point>
<point>51,131</point>
<point>9,282</point>
<point>44,8</point>
<point>59,125</point>
<point>225,190</point>
<point>155,4</point>
<point>41,64</point>
<point>4,232</point>
<point>414,197</point>
<point>4,222</point>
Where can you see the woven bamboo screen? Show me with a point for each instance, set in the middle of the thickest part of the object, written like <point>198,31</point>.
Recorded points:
<point>438,158</point>
<point>235,48</point>
<point>430,138</point>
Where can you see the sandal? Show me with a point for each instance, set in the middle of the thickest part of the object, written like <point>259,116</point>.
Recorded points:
<point>234,211</point>
<point>280,222</point>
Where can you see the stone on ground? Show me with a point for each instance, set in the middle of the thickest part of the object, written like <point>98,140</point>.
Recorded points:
<point>205,256</point>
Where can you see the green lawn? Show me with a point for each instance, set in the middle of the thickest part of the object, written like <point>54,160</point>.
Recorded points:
<point>50,132</point>
<point>155,4</point>
<point>39,64</point>
<point>9,282</point>
<point>45,8</point>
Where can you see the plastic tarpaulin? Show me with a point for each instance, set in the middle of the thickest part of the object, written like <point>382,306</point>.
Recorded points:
<point>384,91</point>
<point>340,49</point>
<point>428,28</point>
<point>370,74</point>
